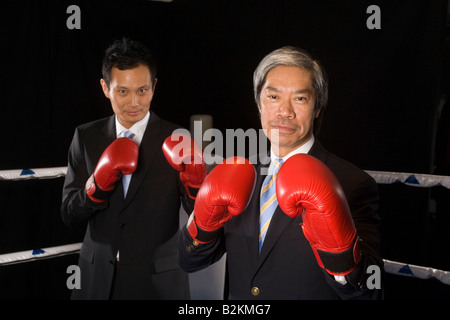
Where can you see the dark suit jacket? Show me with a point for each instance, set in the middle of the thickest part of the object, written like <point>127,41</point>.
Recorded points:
<point>144,227</point>
<point>286,267</point>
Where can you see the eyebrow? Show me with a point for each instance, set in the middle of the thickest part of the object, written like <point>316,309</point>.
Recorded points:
<point>269,88</point>
<point>141,87</point>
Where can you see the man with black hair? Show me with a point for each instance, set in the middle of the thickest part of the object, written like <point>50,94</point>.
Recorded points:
<point>130,247</point>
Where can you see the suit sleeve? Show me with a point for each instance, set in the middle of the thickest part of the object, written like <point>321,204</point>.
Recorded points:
<point>193,256</point>
<point>363,202</point>
<point>186,201</point>
<point>76,207</point>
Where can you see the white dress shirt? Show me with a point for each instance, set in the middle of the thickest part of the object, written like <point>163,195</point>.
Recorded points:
<point>304,148</point>
<point>138,128</point>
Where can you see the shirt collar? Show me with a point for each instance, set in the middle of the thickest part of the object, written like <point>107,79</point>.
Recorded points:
<point>304,148</point>
<point>138,128</point>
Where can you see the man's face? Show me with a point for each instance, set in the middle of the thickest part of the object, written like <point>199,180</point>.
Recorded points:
<point>130,92</point>
<point>286,105</point>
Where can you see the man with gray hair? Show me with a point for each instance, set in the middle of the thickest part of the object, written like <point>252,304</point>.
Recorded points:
<point>318,239</point>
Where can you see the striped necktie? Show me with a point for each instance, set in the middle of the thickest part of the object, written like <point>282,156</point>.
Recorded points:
<point>126,178</point>
<point>268,201</point>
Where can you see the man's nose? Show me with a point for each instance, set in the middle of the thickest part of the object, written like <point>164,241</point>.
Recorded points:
<point>134,99</point>
<point>286,110</point>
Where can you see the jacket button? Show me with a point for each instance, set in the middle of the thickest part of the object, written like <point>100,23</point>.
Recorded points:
<point>255,291</point>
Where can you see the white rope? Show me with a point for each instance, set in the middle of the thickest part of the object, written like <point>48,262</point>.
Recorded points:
<point>36,254</point>
<point>381,177</point>
<point>25,174</point>
<point>409,270</point>
<point>392,267</point>
<point>410,179</point>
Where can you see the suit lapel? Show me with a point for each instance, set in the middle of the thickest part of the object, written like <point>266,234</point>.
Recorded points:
<point>277,225</point>
<point>280,220</point>
<point>108,134</point>
<point>149,147</point>
<point>318,152</point>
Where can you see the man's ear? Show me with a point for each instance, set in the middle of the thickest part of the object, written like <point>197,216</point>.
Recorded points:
<point>154,85</point>
<point>317,112</point>
<point>104,88</point>
<point>259,110</point>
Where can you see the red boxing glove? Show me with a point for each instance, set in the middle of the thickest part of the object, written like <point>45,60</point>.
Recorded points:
<point>306,186</point>
<point>185,156</point>
<point>120,157</point>
<point>225,193</point>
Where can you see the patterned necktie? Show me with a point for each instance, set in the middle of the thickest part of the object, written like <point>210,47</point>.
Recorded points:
<point>268,201</point>
<point>126,178</point>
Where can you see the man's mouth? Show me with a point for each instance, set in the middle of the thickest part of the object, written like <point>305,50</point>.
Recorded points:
<point>283,128</point>
<point>132,112</point>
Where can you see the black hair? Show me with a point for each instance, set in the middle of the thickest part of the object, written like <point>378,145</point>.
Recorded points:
<point>127,54</point>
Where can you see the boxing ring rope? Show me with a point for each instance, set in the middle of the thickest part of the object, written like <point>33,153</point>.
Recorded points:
<point>381,177</point>
<point>410,179</point>
<point>45,253</point>
<point>25,174</point>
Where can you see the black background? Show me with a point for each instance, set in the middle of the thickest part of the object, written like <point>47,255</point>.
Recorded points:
<point>383,114</point>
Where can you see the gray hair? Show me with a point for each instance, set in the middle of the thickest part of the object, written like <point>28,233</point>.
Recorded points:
<point>296,57</point>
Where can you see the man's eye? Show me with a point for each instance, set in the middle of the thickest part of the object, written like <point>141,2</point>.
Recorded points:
<point>122,91</point>
<point>142,90</point>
